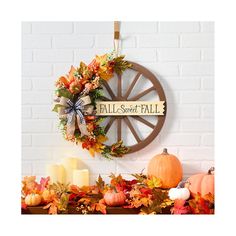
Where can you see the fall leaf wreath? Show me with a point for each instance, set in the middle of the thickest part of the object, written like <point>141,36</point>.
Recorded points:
<point>76,96</point>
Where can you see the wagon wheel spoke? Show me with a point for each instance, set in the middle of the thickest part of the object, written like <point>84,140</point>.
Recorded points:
<point>119,86</point>
<point>138,75</point>
<point>140,119</point>
<point>127,121</point>
<point>135,98</point>
<point>118,129</point>
<point>109,124</point>
<point>109,90</point>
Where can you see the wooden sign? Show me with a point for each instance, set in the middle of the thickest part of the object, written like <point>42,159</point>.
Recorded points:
<point>130,108</point>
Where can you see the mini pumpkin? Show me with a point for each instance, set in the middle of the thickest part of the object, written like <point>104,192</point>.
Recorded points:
<point>202,183</point>
<point>167,167</point>
<point>180,192</point>
<point>114,198</point>
<point>47,195</point>
<point>33,199</point>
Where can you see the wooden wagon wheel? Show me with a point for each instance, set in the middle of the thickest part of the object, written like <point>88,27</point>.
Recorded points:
<point>156,86</point>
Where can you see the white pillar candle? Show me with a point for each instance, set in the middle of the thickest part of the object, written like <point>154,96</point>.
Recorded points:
<point>56,173</point>
<point>81,177</point>
<point>70,164</point>
<point>61,174</point>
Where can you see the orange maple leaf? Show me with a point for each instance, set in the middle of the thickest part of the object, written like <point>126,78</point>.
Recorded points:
<point>100,206</point>
<point>66,80</point>
<point>52,208</point>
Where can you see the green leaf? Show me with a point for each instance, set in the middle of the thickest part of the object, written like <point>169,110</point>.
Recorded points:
<point>100,119</point>
<point>99,131</point>
<point>55,108</point>
<point>140,177</point>
<point>121,65</point>
<point>63,92</point>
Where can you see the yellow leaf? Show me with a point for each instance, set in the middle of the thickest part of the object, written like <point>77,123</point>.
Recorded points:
<point>101,59</point>
<point>106,75</point>
<point>92,152</point>
<point>209,197</point>
<point>101,138</point>
<point>145,201</point>
<point>154,182</point>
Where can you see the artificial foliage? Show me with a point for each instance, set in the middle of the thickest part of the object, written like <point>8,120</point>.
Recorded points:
<point>77,119</point>
<point>142,193</point>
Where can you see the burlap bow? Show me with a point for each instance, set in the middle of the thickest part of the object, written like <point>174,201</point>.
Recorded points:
<point>74,112</point>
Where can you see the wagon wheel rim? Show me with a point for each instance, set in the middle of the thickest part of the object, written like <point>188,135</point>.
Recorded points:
<point>156,86</point>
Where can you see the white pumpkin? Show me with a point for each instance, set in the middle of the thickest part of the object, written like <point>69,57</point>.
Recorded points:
<point>33,199</point>
<point>179,192</point>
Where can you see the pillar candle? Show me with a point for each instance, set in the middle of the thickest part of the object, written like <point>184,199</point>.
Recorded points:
<point>70,164</point>
<point>61,176</point>
<point>56,173</point>
<point>81,177</point>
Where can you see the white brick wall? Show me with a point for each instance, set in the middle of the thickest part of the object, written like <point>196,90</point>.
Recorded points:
<point>73,41</point>
<point>179,27</point>
<point>158,40</point>
<point>35,42</point>
<point>181,54</point>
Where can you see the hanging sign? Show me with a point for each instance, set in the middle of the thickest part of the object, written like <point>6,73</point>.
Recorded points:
<point>130,108</point>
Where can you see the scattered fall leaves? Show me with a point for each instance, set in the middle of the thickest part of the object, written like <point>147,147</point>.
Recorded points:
<point>202,204</point>
<point>197,205</point>
<point>142,192</point>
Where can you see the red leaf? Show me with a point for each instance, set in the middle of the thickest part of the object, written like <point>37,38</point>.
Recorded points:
<point>146,191</point>
<point>72,196</point>
<point>199,205</point>
<point>23,206</point>
<point>43,183</point>
<point>132,182</point>
<point>179,207</point>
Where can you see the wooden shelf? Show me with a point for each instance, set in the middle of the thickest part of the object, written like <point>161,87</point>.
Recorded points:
<point>71,210</point>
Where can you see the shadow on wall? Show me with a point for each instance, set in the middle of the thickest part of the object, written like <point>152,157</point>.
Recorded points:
<point>157,145</point>
<point>170,121</point>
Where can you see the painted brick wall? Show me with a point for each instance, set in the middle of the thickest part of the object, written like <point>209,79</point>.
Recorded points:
<point>181,54</point>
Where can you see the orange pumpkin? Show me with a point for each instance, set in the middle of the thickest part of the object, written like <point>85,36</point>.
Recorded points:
<point>202,183</point>
<point>167,167</point>
<point>47,195</point>
<point>114,198</point>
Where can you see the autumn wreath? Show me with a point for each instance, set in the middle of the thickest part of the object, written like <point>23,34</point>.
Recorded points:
<point>75,103</point>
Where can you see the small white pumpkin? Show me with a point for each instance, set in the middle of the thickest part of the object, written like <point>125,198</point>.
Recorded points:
<point>179,192</point>
<point>33,199</point>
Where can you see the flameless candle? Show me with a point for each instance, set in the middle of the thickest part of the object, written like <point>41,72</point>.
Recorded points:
<point>61,174</point>
<point>70,164</point>
<point>56,173</point>
<point>81,177</point>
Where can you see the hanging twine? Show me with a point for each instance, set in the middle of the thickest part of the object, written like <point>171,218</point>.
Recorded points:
<point>116,37</point>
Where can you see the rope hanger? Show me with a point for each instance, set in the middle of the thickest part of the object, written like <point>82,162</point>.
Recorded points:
<point>116,36</point>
